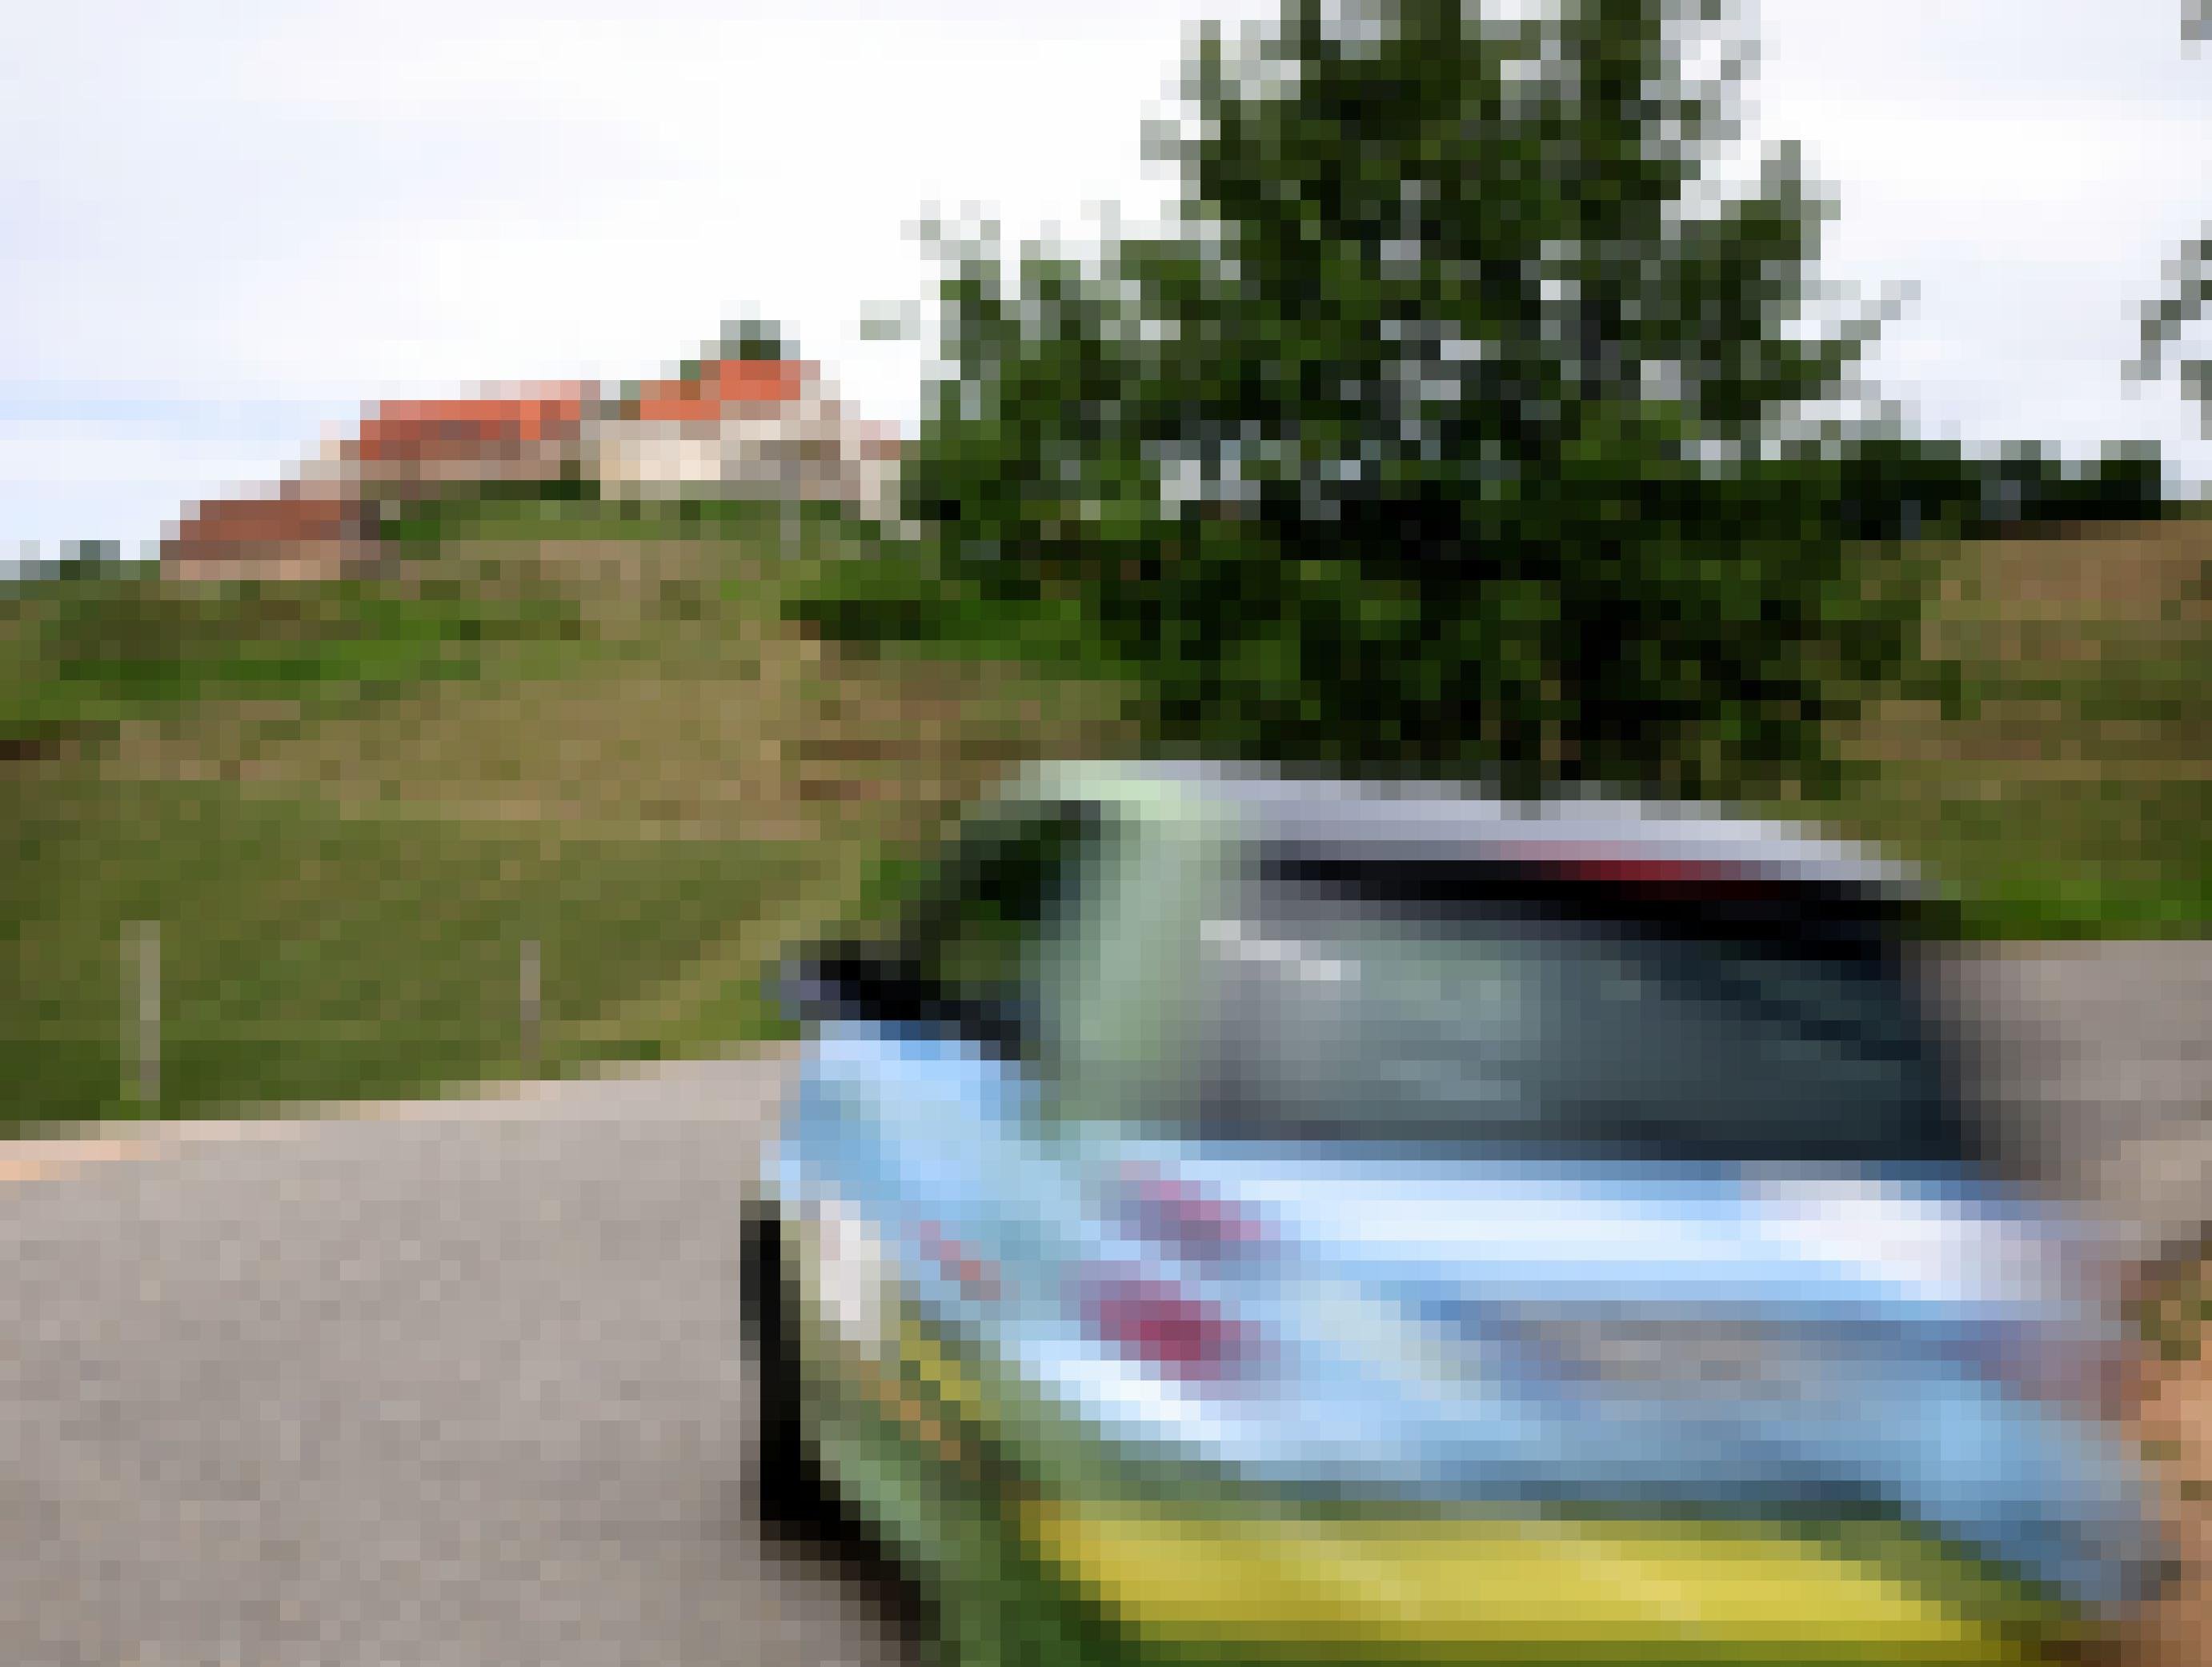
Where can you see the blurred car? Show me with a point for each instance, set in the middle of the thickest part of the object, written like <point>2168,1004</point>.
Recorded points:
<point>1242,1218</point>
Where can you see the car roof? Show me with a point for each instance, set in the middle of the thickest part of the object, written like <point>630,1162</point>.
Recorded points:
<point>1450,821</point>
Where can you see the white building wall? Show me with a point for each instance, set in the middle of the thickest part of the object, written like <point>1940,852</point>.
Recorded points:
<point>811,450</point>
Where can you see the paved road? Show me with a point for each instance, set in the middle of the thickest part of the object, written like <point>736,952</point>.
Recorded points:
<point>459,1383</point>
<point>457,1388</point>
<point>2103,1053</point>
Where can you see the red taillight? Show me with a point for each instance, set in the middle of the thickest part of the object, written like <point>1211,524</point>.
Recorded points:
<point>2094,1382</point>
<point>976,1276</point>
<point>2085,1377</point>
<point>1183,1219</point>
<point>1161,1325</point>
<point>1606,866</point>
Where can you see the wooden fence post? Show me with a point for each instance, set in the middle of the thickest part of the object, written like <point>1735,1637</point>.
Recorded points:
<point>142,1046</point>
<point>530,1000</point>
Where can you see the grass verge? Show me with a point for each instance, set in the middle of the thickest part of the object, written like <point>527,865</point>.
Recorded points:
<point>307,953</point>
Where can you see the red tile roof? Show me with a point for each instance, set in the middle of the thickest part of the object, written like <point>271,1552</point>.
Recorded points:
<point>721,384</point>
<point>218,525</point>
<point>451,430</point>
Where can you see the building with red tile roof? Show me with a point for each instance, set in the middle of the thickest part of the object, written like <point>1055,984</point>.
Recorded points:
<point>410,445</point>
<point>733,428</point>
<point>743,427</point>
<point>291,534</point>
<point>727,387</point>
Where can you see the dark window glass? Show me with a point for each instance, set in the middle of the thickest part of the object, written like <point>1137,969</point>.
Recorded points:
<point>978,942</point>
<point>1421,1001</point>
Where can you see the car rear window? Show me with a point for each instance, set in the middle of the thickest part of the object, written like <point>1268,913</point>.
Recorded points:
<point>1657,1012</point>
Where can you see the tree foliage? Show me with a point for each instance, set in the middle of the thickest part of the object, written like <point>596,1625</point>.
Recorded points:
<point>1448,426</point>
<point>2188,296</point>
<point>2165,322</point>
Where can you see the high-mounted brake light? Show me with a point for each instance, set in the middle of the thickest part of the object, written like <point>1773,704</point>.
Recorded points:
<point>1608,866</point>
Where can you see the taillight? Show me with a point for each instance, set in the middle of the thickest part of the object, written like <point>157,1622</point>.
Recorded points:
<point>2082,1376</point>
<point>1186,1219</point>
<point>2076,1358</point>
<point>975,1275</point>
<point>1163,1325</point>
<point>1607,866</point>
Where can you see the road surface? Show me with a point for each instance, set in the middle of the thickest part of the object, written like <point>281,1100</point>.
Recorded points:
<point>455,1389</point>
<point>459,1384</point>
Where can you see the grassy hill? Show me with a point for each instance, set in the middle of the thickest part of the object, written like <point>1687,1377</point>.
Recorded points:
<point>350,805</point>
<point>599,734</point>
<point>2072,799</point>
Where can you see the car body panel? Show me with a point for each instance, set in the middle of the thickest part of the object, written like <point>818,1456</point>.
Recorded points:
<point>1524,1583</point>
<point>1428,1337</point>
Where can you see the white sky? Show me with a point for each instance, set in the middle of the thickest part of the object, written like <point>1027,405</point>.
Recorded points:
<point>228,223</point>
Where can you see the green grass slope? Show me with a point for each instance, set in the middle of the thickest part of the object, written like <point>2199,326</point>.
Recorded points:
<point>2071,799</point>
<point>600,730</point>
<point>592,731</point>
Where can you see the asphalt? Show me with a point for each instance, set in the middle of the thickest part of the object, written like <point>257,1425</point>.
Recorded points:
<point>2100,1055</point>
<point>451,1386</point>
<point>459,1384</point>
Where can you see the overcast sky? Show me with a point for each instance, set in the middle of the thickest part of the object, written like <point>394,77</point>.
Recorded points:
<point>229,223</point>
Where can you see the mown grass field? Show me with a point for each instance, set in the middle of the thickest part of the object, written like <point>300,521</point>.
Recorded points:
<point>350,806</point>
<point>624,754</point>
<point>2071,799</point>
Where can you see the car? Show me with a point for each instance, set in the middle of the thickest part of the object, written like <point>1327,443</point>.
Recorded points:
<point>1241,1216</point>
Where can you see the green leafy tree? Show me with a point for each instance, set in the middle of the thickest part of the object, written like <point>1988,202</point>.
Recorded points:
<point>2167,321</point>
<point>1442,427</point>
<point>2189,292</point>
<point>751,339</point>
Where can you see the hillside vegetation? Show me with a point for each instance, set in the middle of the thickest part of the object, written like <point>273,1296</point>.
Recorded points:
<point>350,806</point>
<point>629,758</point>
<point>2070,797</point>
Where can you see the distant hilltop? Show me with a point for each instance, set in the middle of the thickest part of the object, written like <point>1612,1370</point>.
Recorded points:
<point>730,427</point>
